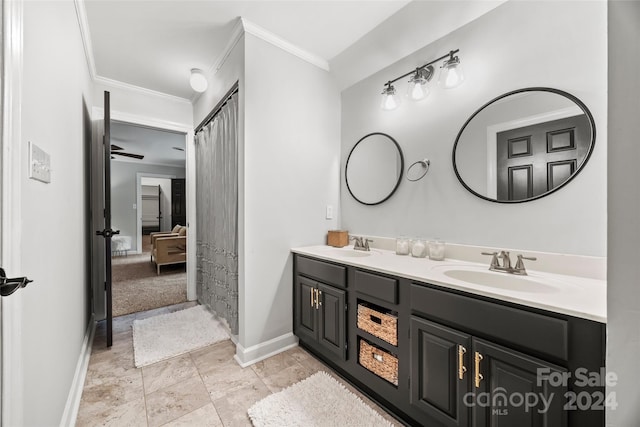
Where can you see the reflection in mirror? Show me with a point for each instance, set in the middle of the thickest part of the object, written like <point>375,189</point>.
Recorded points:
<point>374,168</point>
<point>523,145</point>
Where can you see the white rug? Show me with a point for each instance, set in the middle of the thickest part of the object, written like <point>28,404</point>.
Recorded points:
<point>167,335</point>
<point>319,400</point>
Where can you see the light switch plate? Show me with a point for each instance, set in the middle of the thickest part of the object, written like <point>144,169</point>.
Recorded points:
<point>329,213</point>
<point>39,164</point>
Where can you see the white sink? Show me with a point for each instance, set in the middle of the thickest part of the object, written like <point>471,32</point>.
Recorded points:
<point>349,253</point>
<point>502,281</point>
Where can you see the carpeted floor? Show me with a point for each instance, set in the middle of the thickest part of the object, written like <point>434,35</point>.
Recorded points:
<point>136,287</point>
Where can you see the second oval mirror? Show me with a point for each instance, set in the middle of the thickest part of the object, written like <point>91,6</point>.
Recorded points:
<point>374,168</point>
<point>524,145</point>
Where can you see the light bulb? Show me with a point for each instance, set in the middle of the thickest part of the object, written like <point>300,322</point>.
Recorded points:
<point>198,81</point>
<point>451,74</point>
<point>389,99</point>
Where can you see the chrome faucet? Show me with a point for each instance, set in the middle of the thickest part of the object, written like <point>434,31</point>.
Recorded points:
<point>506,267</point>
<point>361,243</point>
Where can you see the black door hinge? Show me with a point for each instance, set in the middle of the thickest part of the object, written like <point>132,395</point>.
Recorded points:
<point>105,286</point>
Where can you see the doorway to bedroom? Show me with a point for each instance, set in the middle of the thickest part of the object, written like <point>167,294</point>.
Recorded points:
<point>148,206</point>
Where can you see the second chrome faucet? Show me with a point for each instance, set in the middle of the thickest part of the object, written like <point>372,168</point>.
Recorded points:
<point>506,267</point>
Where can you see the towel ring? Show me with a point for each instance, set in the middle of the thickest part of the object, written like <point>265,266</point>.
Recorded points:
<point>425,164</point>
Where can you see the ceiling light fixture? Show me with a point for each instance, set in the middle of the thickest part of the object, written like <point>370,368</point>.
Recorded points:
<point>198,80</point>
<point>450,76</point>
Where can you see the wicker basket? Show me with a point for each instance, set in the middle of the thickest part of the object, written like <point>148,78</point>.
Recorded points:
<point>378,361</point>
<point>379,324</point>
<point>338,238</point>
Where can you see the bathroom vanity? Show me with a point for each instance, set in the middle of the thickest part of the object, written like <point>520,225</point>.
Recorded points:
<point>434,348</point>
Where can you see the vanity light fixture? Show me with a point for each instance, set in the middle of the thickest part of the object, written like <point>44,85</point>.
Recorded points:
<point>390,100</point>
<point>450,76</point>
<point>418,88</point>
<point>198,80</point>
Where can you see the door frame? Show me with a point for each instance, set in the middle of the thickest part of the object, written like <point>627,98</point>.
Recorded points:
<point>139,176</point>
<point>11,392</point>
<point>190,176</point>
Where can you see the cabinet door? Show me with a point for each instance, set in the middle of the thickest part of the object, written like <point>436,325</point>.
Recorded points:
<point>440,372</point>
<point>332,326</point>
<point>514,388</point>
<point>305,319</point>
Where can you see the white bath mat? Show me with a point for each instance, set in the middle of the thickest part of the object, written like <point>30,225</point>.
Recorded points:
<point>319,400</point>
<point>167,335</point>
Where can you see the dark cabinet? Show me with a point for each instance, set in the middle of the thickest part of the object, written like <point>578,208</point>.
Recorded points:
<point>440,372</point>
<point>178,202</point>
<point>514,389</point>
<point>457,377</point>
<point>332,319</point>
<point>320,316</point>
<point>306,324</point>
<point>461,360</point>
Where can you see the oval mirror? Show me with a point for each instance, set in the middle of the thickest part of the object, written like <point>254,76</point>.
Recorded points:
<point>524,145</point>
<point>374,168</point>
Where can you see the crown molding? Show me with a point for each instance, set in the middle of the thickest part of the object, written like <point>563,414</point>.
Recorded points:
<point>81,13</point>
<point>85,33</point>
<point>121,85</point>
<point>269,37</point>
<point>236,35</point>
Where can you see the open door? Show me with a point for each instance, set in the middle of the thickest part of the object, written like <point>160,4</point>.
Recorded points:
<point>107,232</point>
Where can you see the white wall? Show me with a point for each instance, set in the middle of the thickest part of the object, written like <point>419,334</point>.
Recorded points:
<point>288,158</point>
<point>123,194</point>
<point>54,248</point>
<point>291,163</point>
<point>623,269</point>
<point>500,51</point>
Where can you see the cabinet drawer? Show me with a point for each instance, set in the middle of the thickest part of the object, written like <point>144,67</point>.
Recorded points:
<point>376,286</point>
<point>328,273</point>
<point>534,331</point>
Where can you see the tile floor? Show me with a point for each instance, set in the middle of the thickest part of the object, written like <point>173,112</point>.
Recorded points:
<point>203,388</point>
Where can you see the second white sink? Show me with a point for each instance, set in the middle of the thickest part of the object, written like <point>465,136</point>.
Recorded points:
<point>512,282</point>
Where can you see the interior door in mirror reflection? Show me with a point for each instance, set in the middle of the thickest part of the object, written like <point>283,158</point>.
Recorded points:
<point>533,160</point>
<point>523,145</point>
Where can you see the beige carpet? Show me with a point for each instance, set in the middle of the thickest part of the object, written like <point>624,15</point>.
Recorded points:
<point>136,287</point>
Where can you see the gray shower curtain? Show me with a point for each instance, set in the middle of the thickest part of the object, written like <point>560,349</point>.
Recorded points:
<point>217,214</point>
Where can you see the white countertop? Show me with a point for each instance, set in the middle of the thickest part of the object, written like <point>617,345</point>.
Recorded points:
<point>571,295</point>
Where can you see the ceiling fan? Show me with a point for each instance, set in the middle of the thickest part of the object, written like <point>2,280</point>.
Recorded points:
<point>115,149</point>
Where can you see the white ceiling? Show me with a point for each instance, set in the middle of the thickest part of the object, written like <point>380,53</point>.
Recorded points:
<point>156,145</point>
<point>154,44</point>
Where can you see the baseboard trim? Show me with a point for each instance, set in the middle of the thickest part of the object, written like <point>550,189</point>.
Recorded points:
<point>70,413</point>
<point>249,356</point>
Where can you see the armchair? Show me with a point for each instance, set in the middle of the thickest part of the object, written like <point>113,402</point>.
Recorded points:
<point>173,233</point>
<point>169,250</point>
